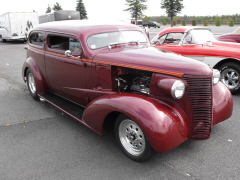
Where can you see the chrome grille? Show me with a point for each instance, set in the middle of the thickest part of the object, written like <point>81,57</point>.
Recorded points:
<point>200,94</point>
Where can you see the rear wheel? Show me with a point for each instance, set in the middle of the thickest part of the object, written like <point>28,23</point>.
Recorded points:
<point>230,76</point>
<point>31,83</point>
<point>131,139</point>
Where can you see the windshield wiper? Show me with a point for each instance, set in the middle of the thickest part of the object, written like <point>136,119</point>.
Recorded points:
<point>112,44</point>
<point>136,42</point>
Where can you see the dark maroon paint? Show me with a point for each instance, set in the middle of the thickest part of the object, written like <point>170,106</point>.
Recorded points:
<point>235,38</point>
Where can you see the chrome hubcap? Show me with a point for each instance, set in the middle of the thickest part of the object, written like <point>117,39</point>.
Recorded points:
<point>131,137</point>
<point>230,78</point>
<point>31,83</point>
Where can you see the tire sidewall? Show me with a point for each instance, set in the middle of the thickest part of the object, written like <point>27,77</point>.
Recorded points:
<point>236,67</point>
<point>34,95</point>
<point>147,151</point>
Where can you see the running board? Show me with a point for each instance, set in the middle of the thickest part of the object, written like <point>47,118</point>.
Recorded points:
<point>64,105</point>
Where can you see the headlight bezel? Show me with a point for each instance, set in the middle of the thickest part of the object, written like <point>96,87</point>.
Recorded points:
<point>178,89</point>
<point>216,76</point>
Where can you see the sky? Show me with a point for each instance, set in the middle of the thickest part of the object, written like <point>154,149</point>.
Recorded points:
<point>114,9</point>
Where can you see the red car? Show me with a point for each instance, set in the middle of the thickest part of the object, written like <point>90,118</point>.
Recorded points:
<point>199,43</point>
<point>231,37</point>
<point>110,77</point>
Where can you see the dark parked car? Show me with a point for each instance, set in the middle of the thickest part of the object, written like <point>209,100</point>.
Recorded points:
<point>152,24</point>
<point>231,37</point>
<point>110,77</point>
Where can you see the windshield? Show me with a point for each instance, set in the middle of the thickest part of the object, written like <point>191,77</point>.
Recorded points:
<point>198,37</point>
<point>97,41</point>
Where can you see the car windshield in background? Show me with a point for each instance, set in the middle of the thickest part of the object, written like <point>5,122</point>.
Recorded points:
<point>198,37</point>
<point>97,41</point>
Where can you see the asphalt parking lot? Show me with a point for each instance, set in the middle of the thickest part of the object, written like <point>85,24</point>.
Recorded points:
<point>38,142</point>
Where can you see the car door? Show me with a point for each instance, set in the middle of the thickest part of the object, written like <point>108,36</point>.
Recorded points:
<point>66,75</point>
<point>36,50</point>
<point>171,42</point>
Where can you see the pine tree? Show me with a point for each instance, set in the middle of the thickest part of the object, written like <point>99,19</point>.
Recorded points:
<point>81,8</point>
<point>136,8</point>
<point>57,7</point>
<point>172,7</point>
<point>48,9</point>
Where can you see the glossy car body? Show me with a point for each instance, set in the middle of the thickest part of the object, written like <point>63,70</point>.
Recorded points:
<point>231,37</point>
<point>130,84</point>
<point>199,43</point>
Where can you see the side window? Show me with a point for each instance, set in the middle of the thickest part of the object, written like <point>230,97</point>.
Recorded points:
<point>36,39</point>
<point>64,43</point>
<point>188,40</point>
<point>173,39</point>
<point>162,38</point>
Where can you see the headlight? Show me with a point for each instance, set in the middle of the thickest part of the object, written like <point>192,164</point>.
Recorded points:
<point>216,76</point>
<point>178,89</point>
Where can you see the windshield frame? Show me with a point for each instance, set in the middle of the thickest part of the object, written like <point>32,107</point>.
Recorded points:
<point>146,40</point>
<point>212,38</point>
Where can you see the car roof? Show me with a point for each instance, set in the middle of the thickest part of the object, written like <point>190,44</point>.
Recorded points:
<point>78,27</point>
<point>182,29</point>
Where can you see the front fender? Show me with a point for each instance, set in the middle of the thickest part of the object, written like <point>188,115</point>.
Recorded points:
<point>30,63</point>
<point>165,126</point>
<point>222,103</point>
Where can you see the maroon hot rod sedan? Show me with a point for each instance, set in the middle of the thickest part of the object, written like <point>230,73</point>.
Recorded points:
<point>109,75</point>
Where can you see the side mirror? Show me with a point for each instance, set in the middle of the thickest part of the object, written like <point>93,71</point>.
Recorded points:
<point>209,43</point>
<point>157,42</point>
<point>68,53</point>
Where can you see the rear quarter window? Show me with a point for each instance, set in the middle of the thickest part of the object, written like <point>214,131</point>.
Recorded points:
<point>36,39</point>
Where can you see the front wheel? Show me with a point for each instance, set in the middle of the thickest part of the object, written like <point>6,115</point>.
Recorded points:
<point>31,83</point>
<point>230,76</point>
<point>131,139</point>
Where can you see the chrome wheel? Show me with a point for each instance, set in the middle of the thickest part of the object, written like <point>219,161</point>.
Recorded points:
<point>31,83</point>
<point>230,77</point>
<point>131,137</point>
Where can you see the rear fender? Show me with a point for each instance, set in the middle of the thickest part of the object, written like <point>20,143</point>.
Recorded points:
<point>164,125</point>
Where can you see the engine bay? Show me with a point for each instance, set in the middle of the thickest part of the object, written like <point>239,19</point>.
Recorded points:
<point>131,80</point>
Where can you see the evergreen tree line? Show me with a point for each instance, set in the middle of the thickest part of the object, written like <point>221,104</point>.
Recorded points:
<point>172,7</point>
<point>198,20</point>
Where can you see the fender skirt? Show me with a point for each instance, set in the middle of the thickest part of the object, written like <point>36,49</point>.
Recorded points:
<point>165,126</point>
